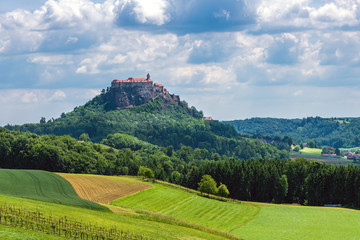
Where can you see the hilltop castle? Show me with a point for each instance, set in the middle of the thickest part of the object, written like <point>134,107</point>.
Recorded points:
<point>137,91</point>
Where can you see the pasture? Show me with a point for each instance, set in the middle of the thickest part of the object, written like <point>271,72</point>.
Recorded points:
<point>143,224</point>
<point>251,221</point>
<point>43,186</point>
<point>219,215</point>
<point>315,154</point>
<point>299,222</point>
<point>14,233</point>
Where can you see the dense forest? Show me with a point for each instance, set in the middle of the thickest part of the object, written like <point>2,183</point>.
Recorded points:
<point>335,132</point>
<point>157,122</point>
<point>290,181</point>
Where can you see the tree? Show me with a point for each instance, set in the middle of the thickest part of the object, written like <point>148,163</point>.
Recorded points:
<point>145,172</point>
<point>207,185</point>
<point>296,149</point>
<point>337,152</point>
<point>85,137</point>
<point>42,120</point>
<point>311,144</point>
<point>281,189</point>
<point>302,145</point>
<point>223,190</point>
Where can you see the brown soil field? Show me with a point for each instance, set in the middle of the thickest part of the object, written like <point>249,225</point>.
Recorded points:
<point>104,189</point>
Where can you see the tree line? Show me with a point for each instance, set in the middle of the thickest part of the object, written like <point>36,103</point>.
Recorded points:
<point>270,180</point>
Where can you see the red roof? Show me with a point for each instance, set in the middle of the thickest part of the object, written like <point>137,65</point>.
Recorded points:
<point>157,84</point>
<point>133,80</point>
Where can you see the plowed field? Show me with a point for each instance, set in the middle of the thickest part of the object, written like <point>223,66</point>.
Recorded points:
<point>104,189</point>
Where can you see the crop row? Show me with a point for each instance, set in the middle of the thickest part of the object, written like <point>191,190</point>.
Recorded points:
<point>61,226</point>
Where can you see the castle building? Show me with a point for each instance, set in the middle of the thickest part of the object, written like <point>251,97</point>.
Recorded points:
<point>137,91</point>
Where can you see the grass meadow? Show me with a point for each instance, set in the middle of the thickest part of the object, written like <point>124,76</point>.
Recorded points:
<point>315,154</point>
<point>148,225</point>
<point>13,233</point>
<point>219,215</point>
<point>252,221</point>
<point>164,212</point>
<point>299,222</point>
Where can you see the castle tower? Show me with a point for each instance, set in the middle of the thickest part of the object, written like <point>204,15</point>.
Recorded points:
<point>148,76</point>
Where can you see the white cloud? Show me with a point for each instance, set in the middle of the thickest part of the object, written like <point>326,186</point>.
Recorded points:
<point>208,48</point>
<point>30,97</point>
<point>58,95</point>
<point>21,106</point>
<point>298,93</point>
<point>151,11</point>
<point>307,14</point>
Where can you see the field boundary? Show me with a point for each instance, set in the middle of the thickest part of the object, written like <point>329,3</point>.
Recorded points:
<point>215,197</point>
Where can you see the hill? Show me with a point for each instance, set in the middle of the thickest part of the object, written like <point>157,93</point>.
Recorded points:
<point>248,220</point>
<point>83,223</point>
<point>43,186</point>
<point>161,121</point>
<point>172,212</point>
<point>335,132</point>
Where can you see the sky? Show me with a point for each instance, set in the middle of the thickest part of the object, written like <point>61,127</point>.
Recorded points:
<point>232,59</point>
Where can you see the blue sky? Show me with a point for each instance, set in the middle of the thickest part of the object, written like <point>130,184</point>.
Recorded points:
<point>233,59</point>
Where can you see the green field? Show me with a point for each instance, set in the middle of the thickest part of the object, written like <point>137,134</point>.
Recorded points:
<point>150,226</point>
<point>315,154</point>
<point>298,222</point>
<point>43,186</point>
<point>253,221</point>
<point>13,233</point>
<point>190,207</point>
<point>165,212</point>
<point>354,149</point>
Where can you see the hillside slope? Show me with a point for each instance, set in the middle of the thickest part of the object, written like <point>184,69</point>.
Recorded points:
<point>158,122</point>
<point>248,220</point>
<point>43,186</point>
<point>335,132</point>
<point>139,226</point>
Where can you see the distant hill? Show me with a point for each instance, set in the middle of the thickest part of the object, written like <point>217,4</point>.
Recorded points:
<point>163,120</point>
<point>335,132</point>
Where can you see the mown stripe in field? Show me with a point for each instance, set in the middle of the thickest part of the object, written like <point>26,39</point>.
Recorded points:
<point>210,213</point>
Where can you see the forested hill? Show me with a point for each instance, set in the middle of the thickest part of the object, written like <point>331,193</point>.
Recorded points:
<point>159,122</point>
<point>335,132</point>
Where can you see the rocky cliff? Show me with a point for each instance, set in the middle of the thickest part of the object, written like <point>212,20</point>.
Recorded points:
<point>137,91</point>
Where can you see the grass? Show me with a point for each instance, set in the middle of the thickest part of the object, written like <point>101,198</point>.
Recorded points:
<point>164,212</point>
<point>219,215</point>
<point>315,154</point>
<point>43,186</point>
<point>251,221</point>
<point>299,222</point>
<point>354,149</point>
<point>18,182</point>
<point>13,233</point>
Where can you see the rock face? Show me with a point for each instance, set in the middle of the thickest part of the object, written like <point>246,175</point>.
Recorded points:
<point>137,91</point>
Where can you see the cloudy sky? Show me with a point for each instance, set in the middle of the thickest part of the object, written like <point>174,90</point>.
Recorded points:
<point>233,59</point>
